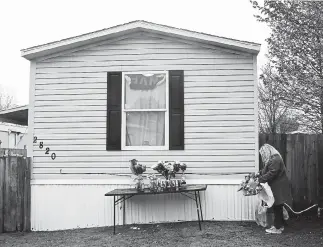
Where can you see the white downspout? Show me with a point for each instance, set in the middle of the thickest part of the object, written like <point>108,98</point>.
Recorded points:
<point>9,132</point>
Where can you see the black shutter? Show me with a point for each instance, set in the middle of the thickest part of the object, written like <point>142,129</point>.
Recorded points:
<point>114,96</point>
<point>176,110</point>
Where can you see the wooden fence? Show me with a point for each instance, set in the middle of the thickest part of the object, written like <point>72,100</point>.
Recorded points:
<point>303,156</point>
<point>14,190</point>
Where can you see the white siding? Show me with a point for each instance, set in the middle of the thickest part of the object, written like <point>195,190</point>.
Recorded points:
<point>86,206</point>
<point>70,107</point>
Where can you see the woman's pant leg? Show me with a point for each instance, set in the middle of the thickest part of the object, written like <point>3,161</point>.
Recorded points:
<point>278,216</point>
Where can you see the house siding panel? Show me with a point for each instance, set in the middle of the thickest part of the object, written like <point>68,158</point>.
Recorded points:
<point>85,206</point>
<point>70,108</point>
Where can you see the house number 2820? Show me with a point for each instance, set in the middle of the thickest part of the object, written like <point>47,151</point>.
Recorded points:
<point>41,146</point>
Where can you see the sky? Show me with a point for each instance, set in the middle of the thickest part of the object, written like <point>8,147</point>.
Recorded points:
<point>35,22</point>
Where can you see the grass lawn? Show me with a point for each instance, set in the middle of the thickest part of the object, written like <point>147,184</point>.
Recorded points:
<point>299,232</point>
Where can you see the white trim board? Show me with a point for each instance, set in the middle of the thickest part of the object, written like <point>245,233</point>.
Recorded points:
<point>31,113</point>
<point>255,72</point>
<point>136,26</point>
<point>223,181</point>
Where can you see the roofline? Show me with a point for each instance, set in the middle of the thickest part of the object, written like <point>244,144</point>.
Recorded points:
<point>14,109</point>
<point>16,115</point>
<point>84,39</point>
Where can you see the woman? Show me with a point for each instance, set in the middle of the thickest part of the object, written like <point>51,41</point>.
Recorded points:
<point>274,173</point>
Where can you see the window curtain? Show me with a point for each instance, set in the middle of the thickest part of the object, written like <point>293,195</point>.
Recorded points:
<point>145,128</point>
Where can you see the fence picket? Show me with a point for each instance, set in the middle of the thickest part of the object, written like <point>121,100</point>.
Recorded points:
<point>27,195</point>
<point>2,184</point>
<point>320,169</point>
<point>20,211</point>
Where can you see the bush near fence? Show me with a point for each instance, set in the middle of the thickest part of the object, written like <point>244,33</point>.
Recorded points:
<point>14,190</point>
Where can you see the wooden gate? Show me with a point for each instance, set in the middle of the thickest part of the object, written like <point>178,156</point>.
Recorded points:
<point>14,190</point>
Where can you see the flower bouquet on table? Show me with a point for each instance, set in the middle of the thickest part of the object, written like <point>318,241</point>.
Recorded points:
<point>137,170</point>
<point>169,169</point>
<point>250,186</point>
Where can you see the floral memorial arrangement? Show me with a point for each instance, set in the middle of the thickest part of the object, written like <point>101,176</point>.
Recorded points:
<point>168,169</point>
<point>250,186</point>
<point>137,170</point>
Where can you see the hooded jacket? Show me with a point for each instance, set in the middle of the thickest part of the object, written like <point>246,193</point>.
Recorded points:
<point>274,173</point>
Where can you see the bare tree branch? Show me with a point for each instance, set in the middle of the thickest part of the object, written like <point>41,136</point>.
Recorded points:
<point>296,53</point>
<point>274,115</point>
<point>6,101</point>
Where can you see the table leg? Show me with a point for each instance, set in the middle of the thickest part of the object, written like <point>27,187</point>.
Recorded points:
<point>197,209</point>
<point>200,205</point>
<point>114,214</point>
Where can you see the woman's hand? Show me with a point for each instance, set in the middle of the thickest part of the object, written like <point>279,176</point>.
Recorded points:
<point>253,184</point>
<point>254,175</point>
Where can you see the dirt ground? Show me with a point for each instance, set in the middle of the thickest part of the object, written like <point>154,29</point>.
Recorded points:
<point>299,232</point>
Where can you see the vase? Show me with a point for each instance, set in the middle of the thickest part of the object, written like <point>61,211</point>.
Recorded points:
<point>153,185</point>
<point>140,185</point>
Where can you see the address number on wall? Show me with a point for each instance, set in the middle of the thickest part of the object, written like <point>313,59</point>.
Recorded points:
<point>47,149</point>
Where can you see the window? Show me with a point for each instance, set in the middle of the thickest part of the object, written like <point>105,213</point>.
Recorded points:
<point>144,108</point>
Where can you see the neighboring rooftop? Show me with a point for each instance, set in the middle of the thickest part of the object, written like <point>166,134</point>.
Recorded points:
<point>12,127</point>
<point>15,115</point>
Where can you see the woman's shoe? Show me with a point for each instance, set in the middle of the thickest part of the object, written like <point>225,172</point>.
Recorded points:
<point>273,230</point>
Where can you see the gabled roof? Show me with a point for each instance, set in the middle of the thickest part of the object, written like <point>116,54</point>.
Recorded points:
<point>135,26</point>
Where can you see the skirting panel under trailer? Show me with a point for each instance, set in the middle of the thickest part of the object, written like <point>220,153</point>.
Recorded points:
<point>63,206</point>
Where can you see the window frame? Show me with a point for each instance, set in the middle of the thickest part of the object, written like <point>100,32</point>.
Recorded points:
<point>124,112</point>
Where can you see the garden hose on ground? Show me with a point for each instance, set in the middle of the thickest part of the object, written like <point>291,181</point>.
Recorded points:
<point>300,212</point>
